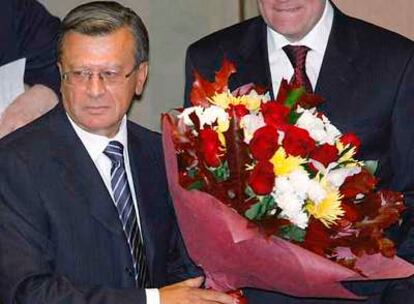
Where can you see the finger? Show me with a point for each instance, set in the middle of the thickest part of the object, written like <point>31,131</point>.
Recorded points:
<point>194,282</point>
<point>215,296</point>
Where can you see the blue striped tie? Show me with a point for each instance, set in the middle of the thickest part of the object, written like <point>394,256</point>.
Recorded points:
<point>127,215</point>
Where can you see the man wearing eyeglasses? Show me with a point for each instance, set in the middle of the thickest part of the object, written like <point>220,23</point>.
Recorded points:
<point>84,207</point>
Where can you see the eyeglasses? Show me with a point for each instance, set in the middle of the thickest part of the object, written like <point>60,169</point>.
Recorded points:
<point>108,77</point>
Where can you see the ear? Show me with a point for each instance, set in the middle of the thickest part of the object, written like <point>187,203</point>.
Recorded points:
<point>60,68</point>
<point>142,73</point>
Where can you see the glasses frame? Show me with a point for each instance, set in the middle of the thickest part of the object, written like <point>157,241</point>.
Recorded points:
<point>64,76</point>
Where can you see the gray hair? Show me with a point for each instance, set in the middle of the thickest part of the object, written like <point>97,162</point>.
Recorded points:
<point>103,17</point>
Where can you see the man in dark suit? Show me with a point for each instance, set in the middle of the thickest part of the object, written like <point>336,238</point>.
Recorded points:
<point>85,215</point>
<point>364,72</point>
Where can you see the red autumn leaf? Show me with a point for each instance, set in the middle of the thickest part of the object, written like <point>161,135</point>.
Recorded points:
<point>223,75</point>
<point>381,209</point>
<point>274,113</point>
<point>262,178</point>
<point>264,143</point>
<point>210,147</point>
<point>297,141</point>
<point>351,139</point>
<point>325,154</point>
<point>203,89</point>
<point>318,237</point>
<point>352,212</point>
<point>361,183</point>
<point>387,247</point>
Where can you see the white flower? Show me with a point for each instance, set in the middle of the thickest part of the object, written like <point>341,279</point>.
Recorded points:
<point>290,201</point>
<point>320,129</point>
<point>300,219</point>
<point>337,177</point>
<point>316,193</point>
<point>206,116</point>
<point>250,123</point>
<point>299,179</point>
<point>211,115</point>
<point>185,115</point>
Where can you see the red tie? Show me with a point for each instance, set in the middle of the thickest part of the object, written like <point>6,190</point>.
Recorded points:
<point>297,56</point>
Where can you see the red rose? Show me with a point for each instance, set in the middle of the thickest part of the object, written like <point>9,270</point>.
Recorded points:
<point>262,178</point>
<point>297,141</point>
<point>238,110</point>
<point>325,154</point>
<point>274,113</point>
<point>209,146</point>
<point>351,139</point>
<point>264,143</point>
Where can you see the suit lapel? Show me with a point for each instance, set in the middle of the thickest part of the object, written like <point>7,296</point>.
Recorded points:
<point>254,57</point>
<point>80,175</point>
<point>340,64</point>
<point>142,168</point>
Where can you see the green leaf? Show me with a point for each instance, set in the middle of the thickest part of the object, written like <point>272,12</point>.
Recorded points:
<point>293,117</point>
<point>249,192</point>
<point>221,173</point>
<point>255,211</point>
<point>293,233</point>
<point>258,210</point>
<point>294,96</point>
<point>371,166</point>
<point>197,185</point>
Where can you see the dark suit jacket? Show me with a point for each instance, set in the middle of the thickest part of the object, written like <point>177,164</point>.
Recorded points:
<point>367,79</point>
<point>60,237</point>
<point>28,30</point>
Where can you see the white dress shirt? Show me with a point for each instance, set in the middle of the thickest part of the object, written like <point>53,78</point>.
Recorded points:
<point>95,145</point>
<point>316,40</point>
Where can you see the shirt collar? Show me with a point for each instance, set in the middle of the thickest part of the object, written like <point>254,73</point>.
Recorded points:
<point>96,144</point>
<point>316,39</point>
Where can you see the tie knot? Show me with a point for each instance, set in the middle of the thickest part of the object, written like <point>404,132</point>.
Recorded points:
<point>297,55</point>
<point>114,150</point>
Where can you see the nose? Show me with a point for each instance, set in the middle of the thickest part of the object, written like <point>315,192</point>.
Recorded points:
<point>96,86</point>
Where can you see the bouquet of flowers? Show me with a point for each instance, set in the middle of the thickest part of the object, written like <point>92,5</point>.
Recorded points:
<point>269,192</point>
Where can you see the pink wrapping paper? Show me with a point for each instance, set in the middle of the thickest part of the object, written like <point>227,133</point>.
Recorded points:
<point>234,256</point>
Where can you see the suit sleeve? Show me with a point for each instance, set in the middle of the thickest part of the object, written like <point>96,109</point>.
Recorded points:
<point>27,273</point>
<point>36,31</point>
<point>189,77</point>
<point>402,157</point>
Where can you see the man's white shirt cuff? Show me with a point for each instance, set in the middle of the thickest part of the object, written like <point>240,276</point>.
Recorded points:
<point>153,295</point>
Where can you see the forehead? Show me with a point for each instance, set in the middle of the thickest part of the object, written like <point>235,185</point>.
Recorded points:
<point>117,47</point>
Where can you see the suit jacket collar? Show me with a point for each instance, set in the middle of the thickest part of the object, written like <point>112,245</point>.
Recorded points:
<point>338,67</point>
<point>253,52</point>
<point>79,173</point>
<point>340,61</point>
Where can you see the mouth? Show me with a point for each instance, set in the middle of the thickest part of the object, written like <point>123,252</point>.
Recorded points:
<point>288,9</point>
<point>96,110</point>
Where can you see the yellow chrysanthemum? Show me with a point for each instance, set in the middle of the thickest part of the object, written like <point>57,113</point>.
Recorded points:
<point>329,210</point>
<point>252,103</point>
<point>348,156</point>
<point>284,164</point>
<point>223,100</point>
